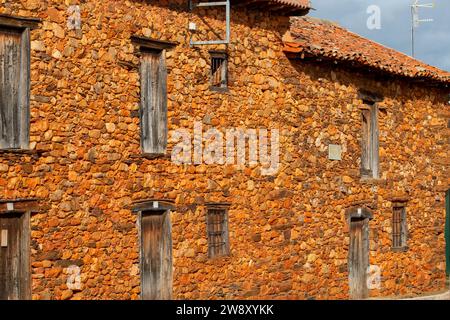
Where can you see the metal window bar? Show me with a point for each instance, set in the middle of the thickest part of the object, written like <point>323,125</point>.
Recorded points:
<point>217,72</point>
<point>397,227</point>
<point>216,232</point>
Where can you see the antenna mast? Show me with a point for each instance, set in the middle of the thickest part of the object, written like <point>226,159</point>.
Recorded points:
<point>416,20</point>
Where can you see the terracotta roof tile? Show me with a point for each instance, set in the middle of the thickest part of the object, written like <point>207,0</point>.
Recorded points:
<point>295,3</point>
<point>288,6</point>
<point>323,39</point>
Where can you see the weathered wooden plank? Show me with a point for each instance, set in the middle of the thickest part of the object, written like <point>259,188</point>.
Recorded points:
<point>153,103</point>
<point>370,142</point>
<point>24,91</point>
<point>365,144</point>
<point>144,124</point>
<point>358,259</point>
<point>375,141</point>
<point>14,88</point>
<point>10,53</point>
<point>25,263</point>
<point>162,103</point>
<point>357,265</point>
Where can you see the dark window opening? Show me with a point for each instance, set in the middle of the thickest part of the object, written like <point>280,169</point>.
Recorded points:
<point>217,224</point>
<point>219,70</point>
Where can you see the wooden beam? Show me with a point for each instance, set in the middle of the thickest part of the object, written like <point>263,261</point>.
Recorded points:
<point>19,22</point>
<point>217,205</point>
<point>153,205</point>
<point>369,96</point>
<point>19,205</point>
<point>152,44</point>
<point>358,212</point>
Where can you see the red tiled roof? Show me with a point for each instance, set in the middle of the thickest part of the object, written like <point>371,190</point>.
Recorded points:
<point>312,37</point>
<point>285,6</point>
<point>295,3</point>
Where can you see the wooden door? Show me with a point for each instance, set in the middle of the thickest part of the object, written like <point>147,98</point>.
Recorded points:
<point>358,259</point>
<point>156,255</point>
<point>14,257</point>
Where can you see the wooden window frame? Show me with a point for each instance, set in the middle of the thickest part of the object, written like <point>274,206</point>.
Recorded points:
<point>22,27</point>
<point>399,226</point>
<point>370,149</point>
<point>224,230</point>
<point>223,56</point>
<point>156,145</point>
<point>157,207</point>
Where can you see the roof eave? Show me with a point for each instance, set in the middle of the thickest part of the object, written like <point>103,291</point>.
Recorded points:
<point>299,53</point>
<point>278,7</point>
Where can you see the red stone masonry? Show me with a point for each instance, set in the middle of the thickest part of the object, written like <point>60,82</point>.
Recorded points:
<point>289,233</point>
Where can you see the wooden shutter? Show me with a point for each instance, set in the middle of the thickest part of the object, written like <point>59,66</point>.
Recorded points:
<point>14,88</point>
<point>366,144</point>
<point>370,142</point>
<point>153,102</point>
<point>375,153</point>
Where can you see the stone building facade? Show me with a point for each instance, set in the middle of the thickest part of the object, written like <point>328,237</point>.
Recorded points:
<point>83,183</point>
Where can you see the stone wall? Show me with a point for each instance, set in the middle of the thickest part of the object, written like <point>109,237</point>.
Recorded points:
<point>288,234</point>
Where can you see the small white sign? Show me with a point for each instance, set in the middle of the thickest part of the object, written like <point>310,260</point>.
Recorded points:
<point>74,21</point>
<point>334,152</point>
<point>74,278</point>
<point>155,204</point>
<point>4,238</point>
<point>192,26</point>
<point>373,277</point>
<point>10,206</point>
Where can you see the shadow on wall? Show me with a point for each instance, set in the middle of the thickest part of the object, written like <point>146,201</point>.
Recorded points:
<point>328,73</point>
<point>239,15</point>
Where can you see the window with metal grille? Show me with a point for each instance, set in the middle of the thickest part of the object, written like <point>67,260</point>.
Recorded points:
<point>217,224</point>
<point>399,227</point>
<point>219,70</point>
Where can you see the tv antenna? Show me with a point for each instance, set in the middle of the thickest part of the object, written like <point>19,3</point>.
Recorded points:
<point>416,21</point>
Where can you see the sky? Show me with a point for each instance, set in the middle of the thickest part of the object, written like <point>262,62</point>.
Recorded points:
<point>432,39</point>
